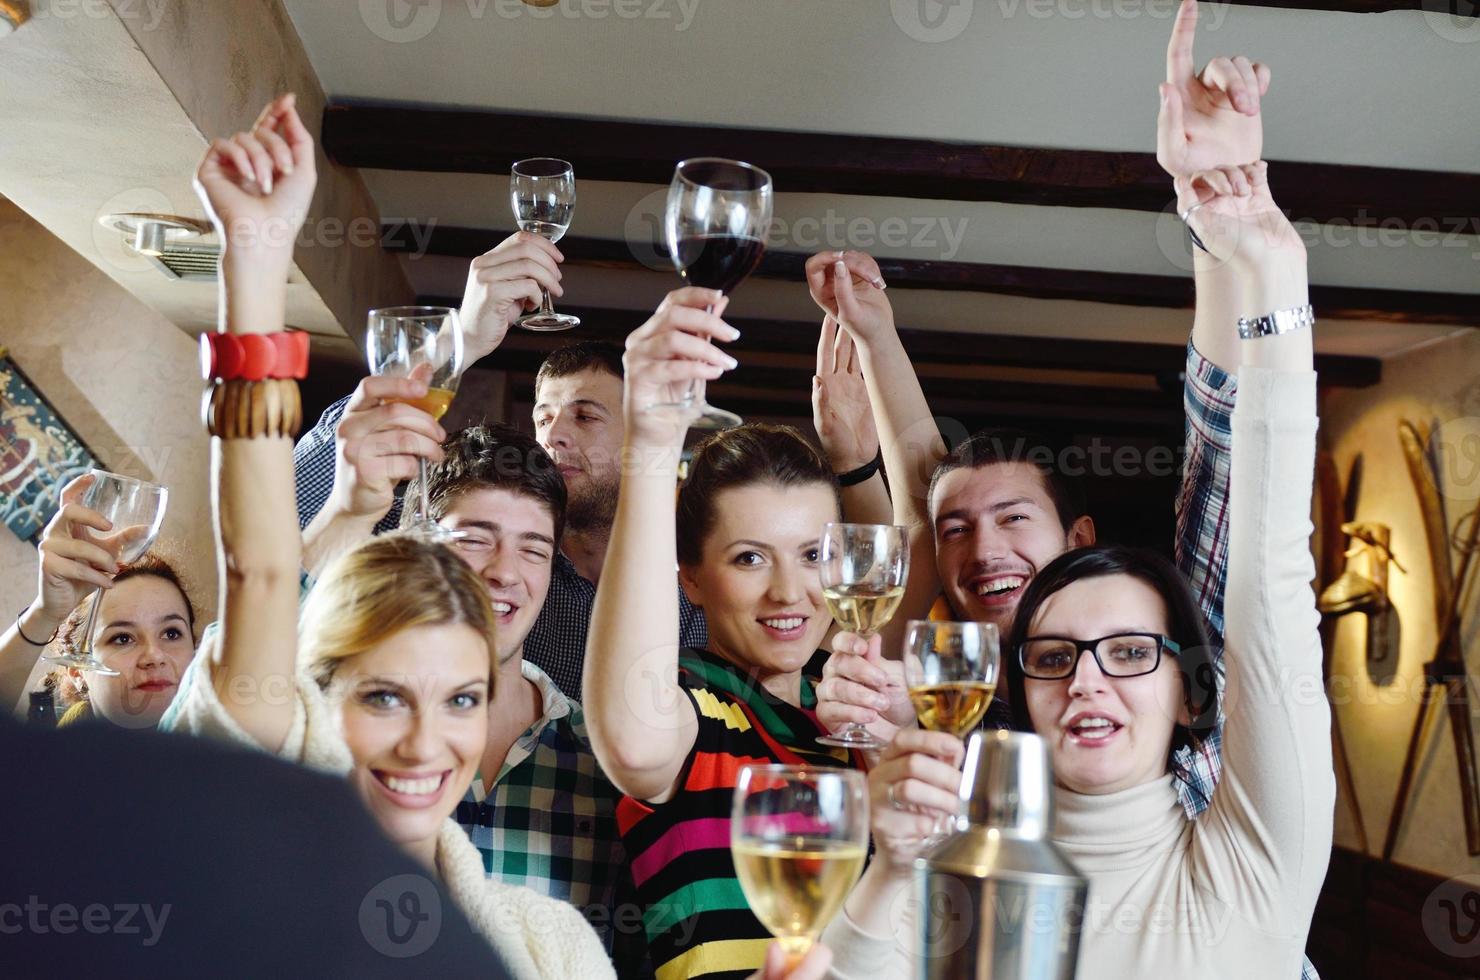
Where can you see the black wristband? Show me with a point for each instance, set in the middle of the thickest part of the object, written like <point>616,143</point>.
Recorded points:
<point>853,478</point>
<point>22,632</point>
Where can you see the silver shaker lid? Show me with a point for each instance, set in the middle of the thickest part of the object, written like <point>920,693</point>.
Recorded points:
<point>1007,784</point>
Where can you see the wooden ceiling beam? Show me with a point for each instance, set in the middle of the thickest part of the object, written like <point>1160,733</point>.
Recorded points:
<point>1161,361</point>
<point>448,140</point>
<point>1121,288</point>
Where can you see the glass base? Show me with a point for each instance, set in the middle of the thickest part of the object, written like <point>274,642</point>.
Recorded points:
<point>548,322</point>
<point>852,737</point>
<point>707,417</point>
<point>82,661</point>
<point>432,531</point>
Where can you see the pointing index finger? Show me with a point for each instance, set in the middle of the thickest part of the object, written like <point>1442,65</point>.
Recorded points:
<point>1179,49</point>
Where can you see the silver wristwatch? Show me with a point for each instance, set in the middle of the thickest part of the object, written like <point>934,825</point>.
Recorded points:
<point>1278,322</point>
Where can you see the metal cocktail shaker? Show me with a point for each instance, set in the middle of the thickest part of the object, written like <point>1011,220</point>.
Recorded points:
<point>997,900</point>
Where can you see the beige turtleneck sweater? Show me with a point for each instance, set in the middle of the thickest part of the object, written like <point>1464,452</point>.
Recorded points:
<point>1231,894</point>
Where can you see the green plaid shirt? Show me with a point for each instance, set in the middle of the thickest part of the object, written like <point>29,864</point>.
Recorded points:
<point>549,820</point>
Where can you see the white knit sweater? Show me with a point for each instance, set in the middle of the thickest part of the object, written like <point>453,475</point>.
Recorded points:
<point>1230,894</point>
<point>536,937</point>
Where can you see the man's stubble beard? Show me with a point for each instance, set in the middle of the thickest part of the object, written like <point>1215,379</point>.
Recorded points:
<point>593,507</point>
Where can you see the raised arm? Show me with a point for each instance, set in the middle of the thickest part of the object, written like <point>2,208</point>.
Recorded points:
<point>256,187</point>
<point>850,289</point>
<point>642,725</point>
<point>1266,837</point>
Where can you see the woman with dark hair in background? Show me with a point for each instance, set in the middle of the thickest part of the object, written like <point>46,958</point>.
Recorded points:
<point>145,628</point>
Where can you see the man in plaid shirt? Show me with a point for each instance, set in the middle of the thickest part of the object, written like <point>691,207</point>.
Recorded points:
<point>349,464</point>
<point>540,810</point>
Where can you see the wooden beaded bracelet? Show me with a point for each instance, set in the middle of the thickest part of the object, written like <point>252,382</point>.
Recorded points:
<point>253,409</point>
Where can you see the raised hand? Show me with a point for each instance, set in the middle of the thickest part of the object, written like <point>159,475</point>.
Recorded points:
<point>664,355</point>
<point>840,407</point>
<point>378,442</point>
<point>850,288</point>
<point>257,185</point>
<point>1233,214</point>
<point>916,781</point>
<point>72,562</point>
<point>503,283</point>
<point>1208,119</point>
<point>859,685</point>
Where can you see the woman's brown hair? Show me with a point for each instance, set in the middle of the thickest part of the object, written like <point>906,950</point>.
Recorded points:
<point>750,454</point>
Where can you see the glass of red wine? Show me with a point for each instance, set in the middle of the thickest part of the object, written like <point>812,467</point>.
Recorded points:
<point>718,216</point>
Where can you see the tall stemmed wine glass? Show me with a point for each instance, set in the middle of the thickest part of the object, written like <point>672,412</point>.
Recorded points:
<point>716,222</point>
<point>799,838</point>
<point>136,510</point>
<point>543,192</point>
<point>425,343</point>
<point>863,569</point>
<point>950,669</point>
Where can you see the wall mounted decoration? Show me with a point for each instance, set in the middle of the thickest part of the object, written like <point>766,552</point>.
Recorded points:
<point>39,454</point>
<point>1446,671</point>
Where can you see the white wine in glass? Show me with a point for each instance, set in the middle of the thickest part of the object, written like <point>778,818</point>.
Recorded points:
<point>799,837</point>
<point>425,343</point>
<point>863,568</point>
<point>950,669</point>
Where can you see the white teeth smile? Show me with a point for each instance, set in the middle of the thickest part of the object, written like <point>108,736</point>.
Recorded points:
<point>790,623</point>
<point>1095,728</point>
<point>1001,585</point>
<point>501,607</point>
<point>413,787</point>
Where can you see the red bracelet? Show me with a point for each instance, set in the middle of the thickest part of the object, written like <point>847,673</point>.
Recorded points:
<point>254,356</point>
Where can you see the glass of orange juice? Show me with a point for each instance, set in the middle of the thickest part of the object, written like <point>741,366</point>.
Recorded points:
<point>425,343</point>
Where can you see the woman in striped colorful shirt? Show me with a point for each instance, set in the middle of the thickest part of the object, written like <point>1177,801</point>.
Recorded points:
<point>746,541</point>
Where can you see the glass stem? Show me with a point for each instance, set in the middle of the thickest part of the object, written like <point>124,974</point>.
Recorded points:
<point>695,394</point>
<point>86,646</point>
<point>546,306</point>
<point>424,506</point>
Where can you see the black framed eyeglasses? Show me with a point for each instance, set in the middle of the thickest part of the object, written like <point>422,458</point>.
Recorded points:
<point>1053,658</point>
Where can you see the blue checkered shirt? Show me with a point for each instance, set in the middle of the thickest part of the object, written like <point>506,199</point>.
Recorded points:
<point>557,642</point>
<point>1208,395</point>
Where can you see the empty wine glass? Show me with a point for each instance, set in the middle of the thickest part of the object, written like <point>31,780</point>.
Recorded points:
<point>543,192</point>
<point>716,222</point>
<point>135,509</point>
<point>950,669</point>
<point>863,568</point>
<point>424,343</point>
<point>799,838</point>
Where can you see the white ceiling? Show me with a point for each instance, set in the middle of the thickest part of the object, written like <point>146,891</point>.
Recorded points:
<point>1388,90</point>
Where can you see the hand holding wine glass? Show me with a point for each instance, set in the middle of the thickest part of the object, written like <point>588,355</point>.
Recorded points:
<point>425,344</point>
<point>543,193</point>
<point>863,568</point>
<point>72,563</point>
<point>131,512</point>
<point>951,668</point>
<point>800,839</point>
<point>665,356</point>
<point>859,685</point>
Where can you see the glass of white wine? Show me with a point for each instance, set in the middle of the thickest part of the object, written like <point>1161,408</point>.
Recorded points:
<point>542,191</point>
<point>950,669</point>
<point>863,568</point>
<point>799,837</point>
<point>425,343</point>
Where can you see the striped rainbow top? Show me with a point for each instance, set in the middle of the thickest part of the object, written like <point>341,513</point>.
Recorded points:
<point>697,920</point>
